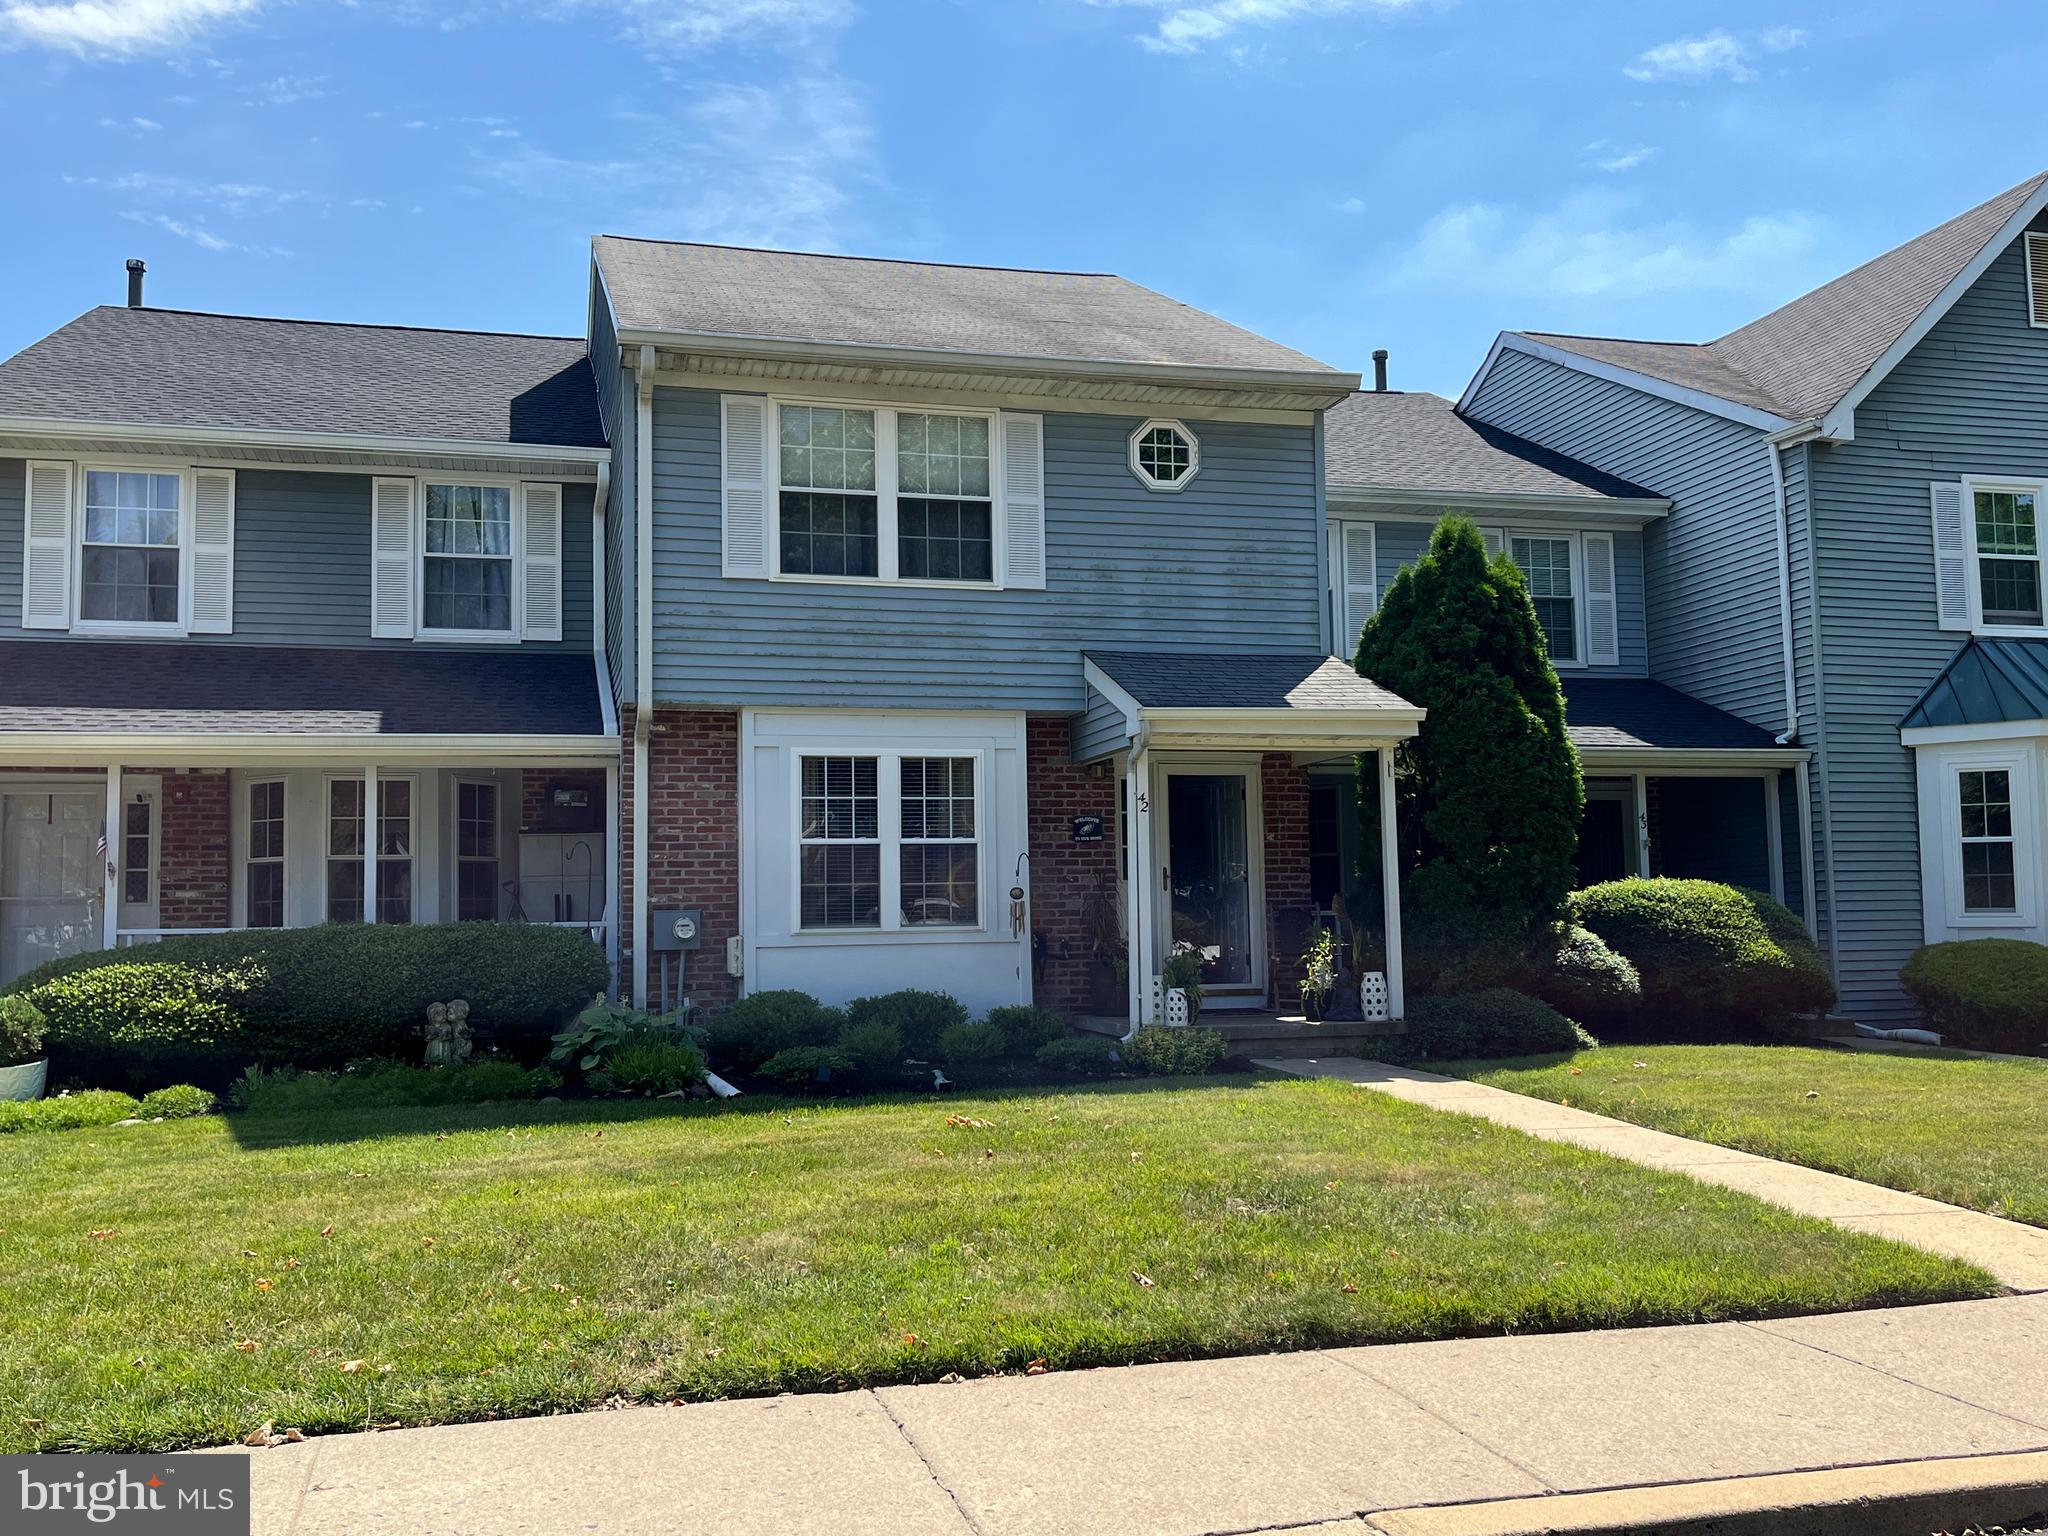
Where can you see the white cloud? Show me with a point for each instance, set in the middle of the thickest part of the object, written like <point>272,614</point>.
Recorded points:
<point>121,28</point>
<point>1350,205</point>
<point>286,90</point>
<point>1188,28</point>
<point>1607,155</point>
<point>687,24</point>
<point>1588,248</point>
<point>199,235</point>
<point>1719,52</point>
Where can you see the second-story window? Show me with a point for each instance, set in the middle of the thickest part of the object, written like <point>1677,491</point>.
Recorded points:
<point>945,517</point>
<point>2008,557</point>
<point>467,576</point>
<point>1546,565</point>
<point>830,494</point>
<point>128,555</point>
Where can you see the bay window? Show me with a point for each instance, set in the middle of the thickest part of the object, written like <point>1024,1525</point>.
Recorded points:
<point>1989,850</point>
<point>889,841</point>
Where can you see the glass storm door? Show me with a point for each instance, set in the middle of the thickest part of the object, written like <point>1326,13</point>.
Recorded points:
<point>1211,895</point>
<point>51,881</point>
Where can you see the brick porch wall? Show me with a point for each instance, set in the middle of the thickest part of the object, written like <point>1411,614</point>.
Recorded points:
<point>1063,872</point>
<point>193,881</point>
<point>693,852</point>
<point>1285,789</point>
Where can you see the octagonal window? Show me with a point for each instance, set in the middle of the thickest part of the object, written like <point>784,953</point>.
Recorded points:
<point>1164,455</point>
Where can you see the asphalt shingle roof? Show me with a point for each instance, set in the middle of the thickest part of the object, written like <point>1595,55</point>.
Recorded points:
<point>720,290</point>
<point>69,685</point>
<point>1799,360</point>
<point>166,367</point>
<point>1634,712</point>
<point>1394,440</point>
<point>1202,680</point>
<point>1987,682</point>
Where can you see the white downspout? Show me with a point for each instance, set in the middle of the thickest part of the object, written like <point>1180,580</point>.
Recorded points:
<point>643,642</point>
<point>1774,446</point>
<point>1780,515</point>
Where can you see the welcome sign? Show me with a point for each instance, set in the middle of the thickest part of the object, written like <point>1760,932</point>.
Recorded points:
<point>147,1495</point>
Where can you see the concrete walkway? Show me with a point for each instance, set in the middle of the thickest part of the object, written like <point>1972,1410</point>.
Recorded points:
<point>2015,1254</point>
<point>1468,1436</point>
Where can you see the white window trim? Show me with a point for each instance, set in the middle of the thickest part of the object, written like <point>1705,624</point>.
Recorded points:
<point>452,901</point>
<point>329,856</point>
<point>889,839</point>
<point>1150,482</point>
<point>517,562</point>
<point>283,860</point>
<point>1573,540</point>
<point>2018,764</point>
<point>148,793</point>
<point>1972,484</point>
<point>886,494</point>
<point>80,625</point>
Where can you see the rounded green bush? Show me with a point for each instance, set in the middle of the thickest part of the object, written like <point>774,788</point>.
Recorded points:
<point>1584,979</point>
<point>21,1031</point>
<point>802,1066</point>
<point>135,1019</point>
<point>763,1024</point>
<point>1082,1053</point>
<point>1175,1052</point>
<point>871,1046</point>
<point>971,1042</point>
<point>1478,1025</point>
<point>1986,994</point>
<point>656,1061</point>
<point>921,1017</point>
<point>1026,1028</point>
<point>1712,959</point>
<point>181,1101</point>
<point>69,1111</point>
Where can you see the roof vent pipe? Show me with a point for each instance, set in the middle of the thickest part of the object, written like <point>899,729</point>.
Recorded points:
<point>1379,369</point>
<point>135,270</point>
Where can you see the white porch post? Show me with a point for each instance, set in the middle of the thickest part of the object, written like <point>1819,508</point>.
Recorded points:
<point>1390,883</point>
<point>1643,825</point>
<point>1137,802</point>
<point>1774,834</point>
<point>370,844</point>
<point>611,868</point>
<point>110,915</point>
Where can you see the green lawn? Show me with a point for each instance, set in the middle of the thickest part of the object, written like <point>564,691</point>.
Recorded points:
<point>179,1284</point>
<point>1954,1128</point>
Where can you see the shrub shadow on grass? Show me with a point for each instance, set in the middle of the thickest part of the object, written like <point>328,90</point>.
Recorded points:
<point>264,1132</point>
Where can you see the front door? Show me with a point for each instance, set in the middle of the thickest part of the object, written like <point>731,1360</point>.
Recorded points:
<point>1212,887</point>
<point>51,881</point>
<point>1606,834</point>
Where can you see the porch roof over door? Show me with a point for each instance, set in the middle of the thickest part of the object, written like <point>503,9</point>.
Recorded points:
<point>185,700</point>
<point>1257,701</point>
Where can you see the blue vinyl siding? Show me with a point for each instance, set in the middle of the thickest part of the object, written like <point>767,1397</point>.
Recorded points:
<point>618,403</point>
<point>1229,564</point>
<point>1099,730</point>
<point>1972,398</point>
<point>1400,542</point>
<point>302,561</point>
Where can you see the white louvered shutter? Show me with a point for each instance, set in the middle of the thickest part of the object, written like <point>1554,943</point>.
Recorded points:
<point>1360,593</point>
<point>391,559</point>
<point>1493,539</point>
<point>1603,612</point>
<point>213,552</point>
<point>46,563</point>
<point>1951,556</point>
<point>542,580</point>
<point>748,456</point>
<point>2037,279</point>
<point>1023,506</point>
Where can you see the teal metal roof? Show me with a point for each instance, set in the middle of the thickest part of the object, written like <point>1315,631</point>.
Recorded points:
<point>1989,682</point>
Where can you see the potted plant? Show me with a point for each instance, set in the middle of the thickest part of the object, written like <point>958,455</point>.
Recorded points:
<point>1319,974</point>
<point>1183,972</point>
<point>23,1070</point>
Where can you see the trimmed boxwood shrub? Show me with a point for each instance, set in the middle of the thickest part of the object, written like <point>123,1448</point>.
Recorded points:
<point>181,1101</point>
<point>1987,994</point>
<point>1025,1028</point>
<point>1081,1053</point>
<point>1478,1025</point>
<point>1583,978</point>
<point>920,1017</point>
<point>763,1024</point>
<point>802,1066</point>
<point>21,1032</point>
<point>389,1085</point>
<point>304,997</point>
<point>1175,1052</point>
<point>1713,959</point>
<point>871,1046</point>
<point>970,1042</point>
<point>68,1111</point>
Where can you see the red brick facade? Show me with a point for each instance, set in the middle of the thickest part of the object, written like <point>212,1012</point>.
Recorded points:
<point>1284,787</point>
<point>1064,873</point>
<point>193,879</point>
<point>693,854</point>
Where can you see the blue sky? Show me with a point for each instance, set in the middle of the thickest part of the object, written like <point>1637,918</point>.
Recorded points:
<point>1338,174</point>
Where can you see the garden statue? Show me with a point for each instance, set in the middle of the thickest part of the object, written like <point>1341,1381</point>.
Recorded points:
<point>448,1042</point>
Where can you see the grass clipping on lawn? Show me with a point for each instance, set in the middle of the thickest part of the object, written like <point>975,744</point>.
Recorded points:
<point>1962,1129</point>
<point>182,1285</point>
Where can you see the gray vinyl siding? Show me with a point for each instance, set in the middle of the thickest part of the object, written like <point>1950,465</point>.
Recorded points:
<point>1972,398</point>
<point>302,562</point>
<point>1099,730</point>
<point>1711,578</point>
<point>1401,542</point>
<point>618,404</point>
<point>1229,564</point>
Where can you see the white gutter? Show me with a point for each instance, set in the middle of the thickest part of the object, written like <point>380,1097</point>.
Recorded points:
<point>600,601</point>
<point>1628,509</point>
<point>643,641</point>
<point>154,432</point>
<point>363,745</point>
<point>1774,446</point>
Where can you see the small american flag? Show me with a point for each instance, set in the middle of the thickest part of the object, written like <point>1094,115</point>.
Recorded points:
<point>100,847</point>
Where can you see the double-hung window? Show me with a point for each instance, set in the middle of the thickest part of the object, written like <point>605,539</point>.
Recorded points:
<point>467,558</point>
<point>1990,866</point>
<point>345,850</point>
<point>476,851</point>
<point>263,859</point>
<point>2008,556</point>
<point>873,493</point>
<point>889,841</point>
<point>129,558</point>
<point>1546,565</point>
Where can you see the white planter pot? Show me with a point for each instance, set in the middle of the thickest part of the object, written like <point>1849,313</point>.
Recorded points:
<point>24,1082</point>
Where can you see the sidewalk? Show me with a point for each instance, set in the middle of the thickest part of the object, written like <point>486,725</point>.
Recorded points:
<point>2014,1254</point>
<point>1407,1439</point>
